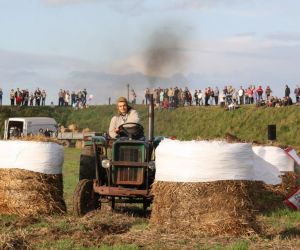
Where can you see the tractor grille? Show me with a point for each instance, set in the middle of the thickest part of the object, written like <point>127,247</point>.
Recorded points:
<point>129,175</point>
<point>129,154</point>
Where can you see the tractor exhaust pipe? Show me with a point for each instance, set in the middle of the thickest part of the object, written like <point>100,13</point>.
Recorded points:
<point>151,118</point>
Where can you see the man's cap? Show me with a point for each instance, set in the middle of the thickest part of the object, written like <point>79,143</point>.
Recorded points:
<point>122,99</point>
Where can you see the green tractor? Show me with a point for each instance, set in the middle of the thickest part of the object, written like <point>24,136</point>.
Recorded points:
<point>117,170</point>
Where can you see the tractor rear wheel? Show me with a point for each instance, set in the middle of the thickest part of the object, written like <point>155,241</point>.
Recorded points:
<point>87,168</point>
<point>85,199</point>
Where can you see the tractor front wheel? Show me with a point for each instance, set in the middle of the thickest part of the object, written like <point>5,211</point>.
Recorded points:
<point>85,199</point>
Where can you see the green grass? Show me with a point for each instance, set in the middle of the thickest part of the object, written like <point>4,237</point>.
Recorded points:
<point>119,247</point>
<point>140,225</point>
<point>284,218</point>
<point>236,245</point>
<point>239,245</point>
<point>70,173</point>
<point>58,245</point>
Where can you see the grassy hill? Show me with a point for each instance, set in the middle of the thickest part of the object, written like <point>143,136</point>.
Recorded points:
<point>247,123</point>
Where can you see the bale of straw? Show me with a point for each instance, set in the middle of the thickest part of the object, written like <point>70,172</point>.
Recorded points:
<point>25,192</point>
<point>267,198</point>
<point>73,127</point>
<point>38,138</point>
<point>86,130</point>
<point>289,182</point>
<point>209,209</point>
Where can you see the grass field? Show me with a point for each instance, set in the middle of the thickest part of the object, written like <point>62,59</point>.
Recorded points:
<point>127,228</point>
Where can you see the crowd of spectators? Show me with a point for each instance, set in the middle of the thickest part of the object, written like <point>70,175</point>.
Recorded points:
<point>76,100</point>
<point>168,97</point>
<point>24,97</point>
<point>228,96</point>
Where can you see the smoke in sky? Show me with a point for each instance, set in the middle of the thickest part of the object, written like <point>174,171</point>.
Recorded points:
<point>164,54</point>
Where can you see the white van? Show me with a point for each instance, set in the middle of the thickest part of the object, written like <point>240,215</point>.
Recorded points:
<point>23,126</point>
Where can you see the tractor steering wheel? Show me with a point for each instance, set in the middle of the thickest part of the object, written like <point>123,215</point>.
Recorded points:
<point>132,130</point>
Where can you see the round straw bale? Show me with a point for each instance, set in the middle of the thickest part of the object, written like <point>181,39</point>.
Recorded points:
<point>289,182</point>
<point>211,208</point>
<point>25,192</point>
<point>73,127</point>
<point>38,138</point>
<point>85,130</point>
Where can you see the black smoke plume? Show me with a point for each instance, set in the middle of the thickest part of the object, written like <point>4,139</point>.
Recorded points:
<point>164,55</point>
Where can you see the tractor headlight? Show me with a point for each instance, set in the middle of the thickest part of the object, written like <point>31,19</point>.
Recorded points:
<point>106,163</point>
<point>151,165</point>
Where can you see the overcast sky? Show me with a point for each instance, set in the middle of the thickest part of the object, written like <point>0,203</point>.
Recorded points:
<point>103,45</point>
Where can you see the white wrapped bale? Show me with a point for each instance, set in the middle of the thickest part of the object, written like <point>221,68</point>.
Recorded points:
<point>31,179</point>
<point>265,171</point>
<point>206,161</point>
<point>41,157</point>
<point>275,156</point>
<point>193,177</point>
<point>203,161</point>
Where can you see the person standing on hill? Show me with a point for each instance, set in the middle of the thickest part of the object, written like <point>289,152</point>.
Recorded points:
<point>250,95</point>
<point>297,93</point>
<point>67,97</point>
<point>196,97</point>
<point>133,97</point>
<point>18,96</point>
<point>31,98</point>
<point>200,97</point>
<point>73,98</point>
<point>126,114</point>
<point>206,96</point>
<point>44,97</point>
<point>1,94</point>
<point>38,96</point>
<point>287,91</point>
<point>211,96</point>
<point>268,92</point>
<point>259,92</point>
<point>84,93</point>
<point>12,97</point>
<point>241,94</point>
<point>170,95</point>
<point>61,95</point>
<point>25,97</point>
<point>216,95</point>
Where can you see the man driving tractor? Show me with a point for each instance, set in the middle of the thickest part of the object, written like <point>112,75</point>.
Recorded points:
<point>126,114</point>
<point>120,169</point>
